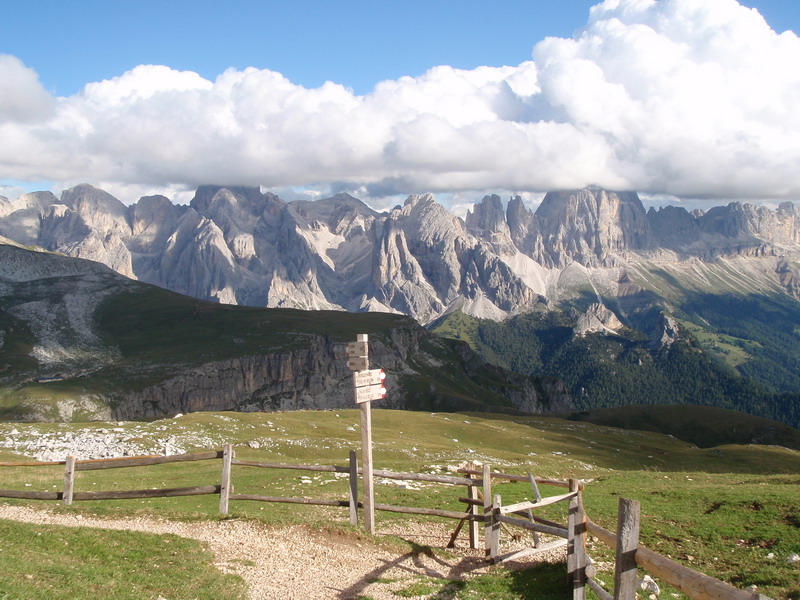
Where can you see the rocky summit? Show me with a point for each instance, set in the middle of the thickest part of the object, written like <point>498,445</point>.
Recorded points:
<point>237,245</point>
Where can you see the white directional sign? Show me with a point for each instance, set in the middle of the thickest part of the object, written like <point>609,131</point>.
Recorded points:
<point>369,393</point>
<point>371,377</point>
<point>359,363</point>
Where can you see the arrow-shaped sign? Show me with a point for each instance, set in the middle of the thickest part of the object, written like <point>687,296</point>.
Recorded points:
<point>371,377</point>
<point>369,393</point>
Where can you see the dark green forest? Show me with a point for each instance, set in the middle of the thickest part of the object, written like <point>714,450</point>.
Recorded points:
<point>603,371</point>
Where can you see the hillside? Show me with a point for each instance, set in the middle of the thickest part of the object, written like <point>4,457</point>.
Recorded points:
<point>703,426</point>
<point>606,368</point>
<point>82,342</point>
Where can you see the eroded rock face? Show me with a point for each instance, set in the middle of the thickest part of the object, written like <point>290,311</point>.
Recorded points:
<point>316,377</point>
<point>591,226</point>
<point>667,331</point>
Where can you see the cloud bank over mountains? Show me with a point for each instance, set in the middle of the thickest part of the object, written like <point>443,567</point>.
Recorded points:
<point>684,97</point>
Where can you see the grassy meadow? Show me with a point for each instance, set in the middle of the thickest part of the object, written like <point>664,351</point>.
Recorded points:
<point>731,511</point>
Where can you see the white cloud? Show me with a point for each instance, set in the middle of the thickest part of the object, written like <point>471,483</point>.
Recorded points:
<point>684,97</point>
<point>22,97</point>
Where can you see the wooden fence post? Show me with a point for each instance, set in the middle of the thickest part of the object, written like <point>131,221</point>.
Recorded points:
<point>576,540</point>
<point>537,496</point>
<point>488,514</point>
<point>472,494</point>
<point>495,541</point>
<point>225,487</point>
<point>627,543</point>
<point>353,488</point>
<point>69,479</point>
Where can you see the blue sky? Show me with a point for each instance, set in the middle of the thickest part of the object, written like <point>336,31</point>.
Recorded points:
<point>355,43</point>
<point>83,104</point>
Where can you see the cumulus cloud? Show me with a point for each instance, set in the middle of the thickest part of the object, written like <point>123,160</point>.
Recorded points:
<point>22,97</point>
<point>684,97</point>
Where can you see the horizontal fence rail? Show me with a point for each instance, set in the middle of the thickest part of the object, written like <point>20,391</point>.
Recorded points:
<point>694,584</point>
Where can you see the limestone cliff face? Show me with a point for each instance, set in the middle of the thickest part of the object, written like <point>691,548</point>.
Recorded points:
<point>734,230</point>
<point>487,221</point>
<point>316,377</point>
<point>591,226</point>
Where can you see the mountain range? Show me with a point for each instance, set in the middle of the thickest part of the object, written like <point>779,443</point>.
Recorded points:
<point>240,246</point>
<point>589,276</point>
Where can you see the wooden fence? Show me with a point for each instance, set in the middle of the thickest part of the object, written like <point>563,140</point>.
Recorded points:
<point>629,556</point>
<point>481,507</point>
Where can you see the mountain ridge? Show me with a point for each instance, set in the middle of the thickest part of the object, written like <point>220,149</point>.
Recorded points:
<point>237,245</point>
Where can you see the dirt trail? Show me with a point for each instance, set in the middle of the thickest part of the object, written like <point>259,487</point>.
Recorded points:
<point>293,562</point>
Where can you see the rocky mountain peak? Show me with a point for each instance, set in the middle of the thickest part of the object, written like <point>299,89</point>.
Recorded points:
<point>673,226</point>
<point>239,245</point>
<point>98,209</point>
<point>487,221</point>
<point>590,226</point>
<point>219,199</point>
<point>36,201</point>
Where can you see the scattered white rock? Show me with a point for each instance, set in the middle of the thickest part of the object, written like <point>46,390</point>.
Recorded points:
<point>793,558</point>
<point>254,444</point>
<point>648,584</point>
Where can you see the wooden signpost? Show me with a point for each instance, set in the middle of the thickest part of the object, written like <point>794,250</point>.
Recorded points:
<point>367,386</point>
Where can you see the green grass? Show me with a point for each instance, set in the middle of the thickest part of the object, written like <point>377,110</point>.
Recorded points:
<point>728,349</point>
<point>43,561</point>
<point>720,510</point>
<point>544,582</point>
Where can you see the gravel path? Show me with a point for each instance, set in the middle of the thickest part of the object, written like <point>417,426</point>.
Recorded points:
<point>294,562</point>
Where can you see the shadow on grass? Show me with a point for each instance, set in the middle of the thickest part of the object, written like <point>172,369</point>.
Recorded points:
<point>453,577</point>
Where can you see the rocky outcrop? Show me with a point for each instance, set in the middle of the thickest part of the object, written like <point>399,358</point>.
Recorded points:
<point>487,221</point>
<point>789,278</point>
<point>598,319</point>
<point>667,331</point>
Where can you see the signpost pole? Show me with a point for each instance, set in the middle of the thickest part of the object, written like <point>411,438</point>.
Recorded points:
<point>366,457</point>
<point>359,361</point>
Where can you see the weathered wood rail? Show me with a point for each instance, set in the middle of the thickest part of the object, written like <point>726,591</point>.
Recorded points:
<point>629,556</point>
<point>481,507</point>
